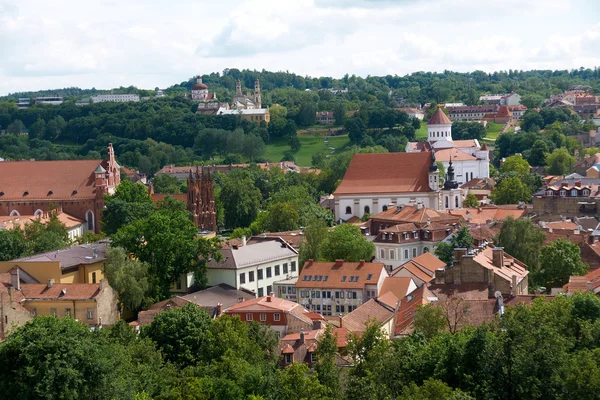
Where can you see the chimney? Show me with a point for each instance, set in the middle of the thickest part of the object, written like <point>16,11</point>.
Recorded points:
<point>103,283</point>
<point>361,263</point>
<point>15,278</point>
<point>269,298</point>
<point>513,289</point>
<point>302,337</point>
<point>589,287</point>
<point>459,252</point>
<point>244,240</point>
<point>11,293</point>
<point>317,324</point>
<point>338,263</point>
<point>591,239</point>
<point>498,256</point>
<point>341,321</point>
<point>310,262</point>
<point>219,309</point>
<point>50,283</point>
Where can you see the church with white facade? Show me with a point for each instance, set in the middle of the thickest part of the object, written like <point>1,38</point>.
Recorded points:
<point>469,158</point>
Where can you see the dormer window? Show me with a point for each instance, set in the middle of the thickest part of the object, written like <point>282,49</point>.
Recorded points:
<point>74,192</point>
<point>549,193</point>
<point>585,192</point>
<point>573,193</point>
<point>50,193</point>
<point>563,193</point>
<point>25,193</point>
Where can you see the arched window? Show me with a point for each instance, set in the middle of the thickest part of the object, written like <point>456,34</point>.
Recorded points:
<point>456,201</point>
<point>89,217</point>
<point>348,210</point>
<point>446,201</point>
<point>384,208</point>
<point>367,210</point>
<point>14,213</point>
<point>425,250</point>
<point>37,212</point>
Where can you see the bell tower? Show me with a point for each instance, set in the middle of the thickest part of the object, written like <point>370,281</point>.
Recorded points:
<point>257,97</point>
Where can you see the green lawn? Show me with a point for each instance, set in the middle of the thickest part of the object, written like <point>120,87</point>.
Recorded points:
<point>310,145</point>
<point>421,133</point>
<point>492,130</point>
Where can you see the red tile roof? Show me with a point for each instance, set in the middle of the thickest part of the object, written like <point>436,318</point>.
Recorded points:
<point>72,291</point>
<point>386,173</point>
<point>439,118</point>
<point>342,275</point>
<point>156,197</point>
<point>357,320</point>
<point>408,306</point>
<point>398,285</point>
<point>413,214</point>
<point>482,215</point>
<point>444,155</point>
<point>427,263</point>
<point>265,303</point>
<point>38,178</point>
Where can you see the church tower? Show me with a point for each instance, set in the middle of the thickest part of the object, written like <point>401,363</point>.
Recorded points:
<point>451,193</point>
<point>238,88</point>
<point>201,200</point>
<point>434,174</point>
<point>257,97</point>
<point>439,127</point>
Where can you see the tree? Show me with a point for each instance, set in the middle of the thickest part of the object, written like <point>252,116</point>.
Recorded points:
<point>471,201</point>
<point>41,238</point>
<point>16,127</point>
<point>241,200</point>
<point>132,193</point>
<point>346,243</point>
<point>462,240</point>
<point>511,191</point>
<point>118,213</point>
<point>538,153</point>
<point>327,372</point>
<point>314,235</point>
<point>532,121</point>
<point>180,333</point>
<point>462,130</point>
<point>432,389</point>
<point>12,244</point>
<point>356,129</point>
<point>295,383</point>
<point>522,240</point>
<point>532,100</point>
<point>165,183</point>
<point>281,217</point>
<point>429,320</point>
<point>339,113</point>
<point>558,261</point>
<point>295,144</point>
<point>129,278</point>
<point>559,162</point>
<point>516,164</point>
<point>313,210</point>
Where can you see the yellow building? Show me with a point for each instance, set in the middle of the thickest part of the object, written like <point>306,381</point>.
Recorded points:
<point>77,264</point>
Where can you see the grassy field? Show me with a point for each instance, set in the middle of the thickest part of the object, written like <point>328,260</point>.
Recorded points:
<point>310,145</point>
<point>492,130</point>
<point>421,133</point>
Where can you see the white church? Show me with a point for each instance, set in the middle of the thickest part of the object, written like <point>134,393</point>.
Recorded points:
<point>469,158</point>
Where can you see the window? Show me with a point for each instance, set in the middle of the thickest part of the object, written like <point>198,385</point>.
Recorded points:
<point>318,293</point>
<point>392,255</point>
<point>456,201</point>
<point>242,277</point>
<point>288,358</point>
<point>425,250</point>
<point>284,289</point>
<point>348,210</point>
<point>344,278</point>
<point>292,290</point>
<point>276,317</point>
<point>293,266</point>
<point>251,276</point>
<point>248,316</point>
<point>178,284</point>
<point>415,235</point>
<point>313,357</point>
<point>384,208</point>
<point>341,295</point>
<point>414,252</point>
<point>337,295</point>
<point>369,276</point>
<point>269,290</point>
<point>90,313</point>
<point>263,317</point>
<point>261,292</point>
<point>367,210</point>
<point>312,294</point>
<point>93,277</point>
<point>260,274</point>
<point>586,192</point>
<point>382,253</point>
<point>277,272</point>
<point>405,253</point>
<point>573,193</point>
<point>67,312</point>
<point>563,193</point>
<point>34,312</point>
<point>318,307</point>
<point>285,268</point>
<point>268,272</point>
<point>53,311</point>
<point>549,193</point>
<point>446,198</point>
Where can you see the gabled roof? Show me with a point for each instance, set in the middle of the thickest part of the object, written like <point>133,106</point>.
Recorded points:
<point>510,265</point>
<point>412,214</point>
<point>69,257</point>
<point>372,310</point>
<point>255,253</point>
<point>73,179</point>
<point>439,118</point>
<point>399,286</point>
<point>339,274</point>
<point>427,262</point>
<point>445,155</point>
<point>72,291</point>
<point>482,215</point>
<point>408,306</point>
<point>386,173</point>
<point>266,303</point>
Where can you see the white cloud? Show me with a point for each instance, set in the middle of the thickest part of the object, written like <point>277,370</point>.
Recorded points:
<point>108,43</point>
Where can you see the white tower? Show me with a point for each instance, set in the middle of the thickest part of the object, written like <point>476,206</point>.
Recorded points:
<point>439,127</point>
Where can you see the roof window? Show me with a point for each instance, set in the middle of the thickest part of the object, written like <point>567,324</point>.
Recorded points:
<point>369,276</point>
<point>344,278</point>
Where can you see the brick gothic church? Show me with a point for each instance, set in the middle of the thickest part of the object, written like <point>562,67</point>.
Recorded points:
<point>75,186</point>
<point>201,200</point>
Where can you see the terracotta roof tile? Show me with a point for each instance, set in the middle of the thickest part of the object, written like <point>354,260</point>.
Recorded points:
<point>414,214</point>
<point>343,275</point>
<point>38,178</point>
<point>156,197</point>
<point>408,306</point>
<point>482,215</point>
<point>398,285</point>
<point>357,320</point>
<point>73,291</point>
<point>266,303</point>
<point>439,118</point>
<point>444,155</point>
<point>386,173</point>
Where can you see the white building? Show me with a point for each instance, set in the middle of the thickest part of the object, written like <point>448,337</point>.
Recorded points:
<point>52,100</point>
<point>115,98</point>
<point>469,158</point>
<point>254,266</point>
<point>506,99</point>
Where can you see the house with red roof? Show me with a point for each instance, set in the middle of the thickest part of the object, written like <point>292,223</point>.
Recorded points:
<point>302,347</point>
<point>283,316</point>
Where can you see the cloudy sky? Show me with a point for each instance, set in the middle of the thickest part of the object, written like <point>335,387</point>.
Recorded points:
<point>149,43</point>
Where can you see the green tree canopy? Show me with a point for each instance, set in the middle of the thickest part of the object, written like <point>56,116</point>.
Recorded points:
<point>345,242</point>
<point>558,261</point>
<point>471,201</point>
<point>559,162</point>
<point>129,278</point>
<point>511,190</point>
<point>522,240</point>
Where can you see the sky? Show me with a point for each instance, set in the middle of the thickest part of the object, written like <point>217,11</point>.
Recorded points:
<point>158,43</point>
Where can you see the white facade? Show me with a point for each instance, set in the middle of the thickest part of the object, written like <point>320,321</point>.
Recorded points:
<point>396,254</point>
<point>52,100</point>
<point>442,132</point>
<point>115,98</point>
<point>347,206</point>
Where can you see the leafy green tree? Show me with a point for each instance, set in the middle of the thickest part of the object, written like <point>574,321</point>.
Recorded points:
<point>129,278</point>
<point>168,184</point>
<point>516,164</point>
<point>345,242</point>
<point>118,213</point>
<point>295,382</point>
<point>511,191</point>
<point>180,333</point>
<point>463,240</point>
<point>532,121</point>
<point>559,162</point>
<point>314,235</point>
<point>313,210</point>
<point>281,217</point>
<point>522,240</point>
<point>339,113</point>
<point>327,372</point>
<point>295,144</point>
<point>16,127</point>
<point>298,195</point>
<point>532,100</point>
<point>43,237</point>
<point>538,152</point>
<point>241,200</point>
<point>12,244</point>
<point>462,130</point>
<point>356,129</point>
<point>432,389</point>
<point>132,193</point>
<point>558,261</point>
<point>471,201</point>
<point>429,320</point>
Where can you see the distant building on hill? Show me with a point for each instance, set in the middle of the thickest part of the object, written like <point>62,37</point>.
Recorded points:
<point>115,98</point>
